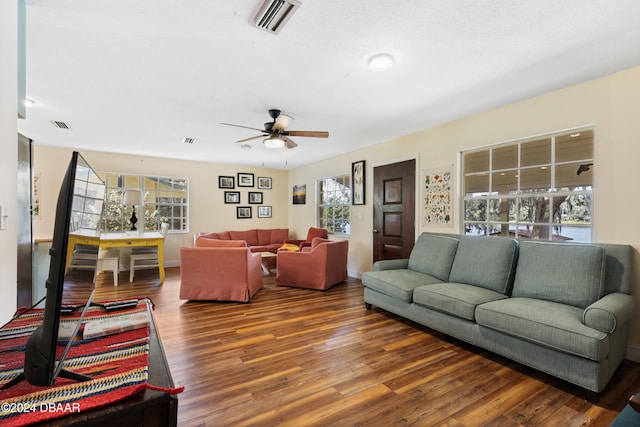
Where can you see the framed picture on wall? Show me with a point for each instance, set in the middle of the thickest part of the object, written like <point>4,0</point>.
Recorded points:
<point>255,197</point>
<point>226,182</point>
<point>232,197</point>
<point>264,183</point>
<point>245,179</point>
<point>243,212</point>
<point>300,194</point>
<point>264,211</point>
<point>358,183</point>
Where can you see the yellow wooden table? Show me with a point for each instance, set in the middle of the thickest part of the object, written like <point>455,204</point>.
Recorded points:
<point>118,240</point>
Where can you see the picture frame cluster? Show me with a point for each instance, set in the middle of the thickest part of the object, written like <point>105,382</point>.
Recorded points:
<point>232,195</point>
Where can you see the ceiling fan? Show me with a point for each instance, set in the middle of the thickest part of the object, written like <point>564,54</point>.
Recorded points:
<point>276,134</point>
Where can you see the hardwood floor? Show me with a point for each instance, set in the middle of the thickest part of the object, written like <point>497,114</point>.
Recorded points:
<point>297,357</point>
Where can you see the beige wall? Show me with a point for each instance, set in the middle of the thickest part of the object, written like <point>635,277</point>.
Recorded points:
<point>208,212</point>
<point>611,104</point>
<point>8,159</point>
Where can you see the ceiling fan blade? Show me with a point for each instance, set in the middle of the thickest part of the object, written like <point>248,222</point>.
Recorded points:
<point>249,139</point>
<point>307,133</point>
<point>245,127</point>
<point>282,121</point>
<point>288,142</point>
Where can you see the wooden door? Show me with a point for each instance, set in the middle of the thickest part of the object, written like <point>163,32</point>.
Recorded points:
<point>24,223</point>
<point>394,210</point>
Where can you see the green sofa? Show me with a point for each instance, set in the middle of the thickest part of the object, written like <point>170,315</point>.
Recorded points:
<point>562,308</point>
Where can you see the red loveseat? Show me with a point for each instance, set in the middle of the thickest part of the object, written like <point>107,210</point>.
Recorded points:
<point>258,240</point>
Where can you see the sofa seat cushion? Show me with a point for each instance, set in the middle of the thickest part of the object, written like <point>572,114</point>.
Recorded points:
<point>457,299</point>
<point>565,273</point>
<point>398,284</point>
<point>489,262</point>
<point>433,254</point>
<point>547,323</point>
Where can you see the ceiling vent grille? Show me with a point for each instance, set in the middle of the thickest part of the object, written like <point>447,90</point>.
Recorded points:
<point>60,125</point>
<point>188,140</point>
<point>273,14</point>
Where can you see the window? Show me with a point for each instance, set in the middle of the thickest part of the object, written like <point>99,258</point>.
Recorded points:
<point>334,198</point>
<point>165,200</point>
<point>539,189</point>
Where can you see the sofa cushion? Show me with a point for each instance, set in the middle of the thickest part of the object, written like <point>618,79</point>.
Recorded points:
<point>489,262</point>
<point>264,236</point>
<point>203,242</point>
<point>398,284</point>
<point>279,235</point>
<point>224,235</point>
<point>249,236</point>
<point>457,299</point>
<point>560,272</point>
<point>433,255</point>
<point>551,324</point>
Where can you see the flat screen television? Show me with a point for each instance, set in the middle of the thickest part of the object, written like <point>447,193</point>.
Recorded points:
<point>80,205</point>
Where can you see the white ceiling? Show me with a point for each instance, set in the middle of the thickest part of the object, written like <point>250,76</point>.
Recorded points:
<point>137,76</point>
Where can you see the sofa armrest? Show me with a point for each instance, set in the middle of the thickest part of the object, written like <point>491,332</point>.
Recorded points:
<point>609,312</point>
<point>391,264</point>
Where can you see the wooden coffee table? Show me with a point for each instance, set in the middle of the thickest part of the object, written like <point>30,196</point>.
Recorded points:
<point>265,257</point>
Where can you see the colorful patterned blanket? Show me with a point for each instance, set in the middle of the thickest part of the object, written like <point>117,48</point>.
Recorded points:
<point>118,364</point>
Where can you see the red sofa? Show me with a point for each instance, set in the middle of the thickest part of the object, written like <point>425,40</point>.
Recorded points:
<point>258,240</point>
<point>319,267</point>
<point>219,270</point>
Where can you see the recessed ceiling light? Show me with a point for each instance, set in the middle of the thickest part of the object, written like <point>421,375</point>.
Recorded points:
<point>380,62</point>
<point>28,102</point>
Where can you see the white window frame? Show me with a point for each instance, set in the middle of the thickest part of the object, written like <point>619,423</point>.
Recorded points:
<point>321,220</point>
<point>518,195</point>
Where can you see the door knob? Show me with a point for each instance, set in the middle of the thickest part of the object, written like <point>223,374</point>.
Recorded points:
<point>375,231</point>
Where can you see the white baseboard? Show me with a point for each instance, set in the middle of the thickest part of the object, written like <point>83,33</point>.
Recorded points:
<point>633,353</point>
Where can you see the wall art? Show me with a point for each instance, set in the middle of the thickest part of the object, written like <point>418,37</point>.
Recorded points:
<point>255,197</point>
<point>264,183</point>
<point>232,197</point>
<point>437,200</point>
<point>264,211</point>
<point>300,194</point>
<point>243,212</point>
<point>358,183</point>
<point>245,179</point>
<point>226,182</point>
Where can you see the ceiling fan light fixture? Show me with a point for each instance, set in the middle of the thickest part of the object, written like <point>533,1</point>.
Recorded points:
<point>274,142</point>
<point>380,62</point>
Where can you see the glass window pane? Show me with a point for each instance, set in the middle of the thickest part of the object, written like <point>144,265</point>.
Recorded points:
<point>131,181</point>
<point>574,209</point>
<point>535,179</point>
<point>534,209</point>
<point>476,185</point>
<point>505,157</point>
<point>476,162</point>
<point>535,153</point>
<point>475,210</point>
<point>503,210</point>
<point>574,146</point>
<point>567,176</point>
<point>504,182</point>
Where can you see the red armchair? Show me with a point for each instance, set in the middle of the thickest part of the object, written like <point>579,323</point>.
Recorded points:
<point>220,273</point>
<point>319,267</point>
<point>311,234</point>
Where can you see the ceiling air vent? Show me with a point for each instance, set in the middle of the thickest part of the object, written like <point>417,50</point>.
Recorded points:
<point>273,14</point>
<point>60,125</point>
<point>188,140</point>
